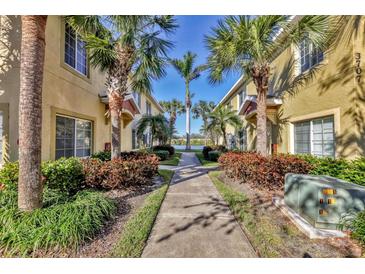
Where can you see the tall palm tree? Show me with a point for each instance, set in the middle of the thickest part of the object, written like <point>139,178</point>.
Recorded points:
<point>30,187</point>
<point>185,67</point>
<point>173,108</point>
<point>157,124</point>
<point>131,49</point>
<point>202,109</point>
<point>247,45</point>
<point>220,118</point>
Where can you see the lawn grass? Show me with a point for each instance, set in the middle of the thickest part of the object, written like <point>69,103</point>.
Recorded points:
<point>63,222</point>
<point>262,234</point>
<point>137,230</point>
<point>203,161</point>
<point>173,160</point>
<point>191,150</point>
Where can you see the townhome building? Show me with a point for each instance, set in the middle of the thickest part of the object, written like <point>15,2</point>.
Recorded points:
<point>74,100</point>
<point>325,114</point>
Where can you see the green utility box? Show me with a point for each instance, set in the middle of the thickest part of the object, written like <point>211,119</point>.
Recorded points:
<point>323,200</point>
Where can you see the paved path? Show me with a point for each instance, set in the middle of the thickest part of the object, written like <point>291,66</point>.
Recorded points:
<point>194,221</point>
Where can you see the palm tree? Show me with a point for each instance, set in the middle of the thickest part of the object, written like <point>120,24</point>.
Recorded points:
<point>185,67</point>
<point>247,45</point>
<point>30,188</point>
<point>132,52</point>
<point>202,109</point>
<point>173,108</point>
<point>220,118</point>
<point>157,124</point>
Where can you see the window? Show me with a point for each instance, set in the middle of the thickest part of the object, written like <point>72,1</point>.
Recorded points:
<point>73,137</point>
<point>315,137</point>
<point>75,51</point>
<point>309,55</point>
<point>137,97</point>
<point>148,108</point>
<point>241,98</point>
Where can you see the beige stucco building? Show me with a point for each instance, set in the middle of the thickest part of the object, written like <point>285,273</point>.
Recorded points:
<point>74,121</point>
<point>325,116</point>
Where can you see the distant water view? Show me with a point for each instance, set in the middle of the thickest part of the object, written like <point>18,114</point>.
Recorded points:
<point>183,147</point>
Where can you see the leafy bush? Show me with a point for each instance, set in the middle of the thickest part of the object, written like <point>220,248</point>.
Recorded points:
<point>162,154</point>
<point>259,171</point>
<point>128,171</point>
<point>218,148</point>
<point>130,155</point>
<point>9,174</point>
<point>352,171</point>
<point>168,148</point>
<point>205,151</point>
<point>102,155</point>
<point>358,227</point>
<point>63,222</point>
<point>65,174</point>
<point>214,155</point>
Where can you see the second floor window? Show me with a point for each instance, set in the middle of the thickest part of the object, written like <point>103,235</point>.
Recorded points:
<point>241,97</point>
<point>148,108</point>
<point>137,97</point>
<point>75,51</point>
<point>310,55</point>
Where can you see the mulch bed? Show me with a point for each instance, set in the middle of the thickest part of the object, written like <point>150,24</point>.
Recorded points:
<point>297,244</point>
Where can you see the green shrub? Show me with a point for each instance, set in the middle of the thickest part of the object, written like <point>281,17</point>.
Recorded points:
<point>102,155</point>
<point>65,174</point>
<point>162,154</point>
<point>64,223</point>
<point>9,174</point>
<point>358,227</point>
<point>348,170</point>
<point>205,152</point>
<point>214,155</point>
<point>168,148</point>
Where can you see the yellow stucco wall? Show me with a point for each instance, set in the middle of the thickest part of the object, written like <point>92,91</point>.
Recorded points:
<point>65,91</point>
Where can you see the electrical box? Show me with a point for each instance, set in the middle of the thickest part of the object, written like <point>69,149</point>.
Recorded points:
<point>323,200</point>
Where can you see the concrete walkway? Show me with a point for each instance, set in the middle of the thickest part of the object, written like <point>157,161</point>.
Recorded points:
<point>194,221</point>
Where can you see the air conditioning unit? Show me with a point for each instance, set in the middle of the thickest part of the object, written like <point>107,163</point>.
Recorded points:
<point>323,201</point>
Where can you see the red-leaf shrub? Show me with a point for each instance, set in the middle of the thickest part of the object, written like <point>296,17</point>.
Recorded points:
<point>265,173</point>
<point>134,170</point>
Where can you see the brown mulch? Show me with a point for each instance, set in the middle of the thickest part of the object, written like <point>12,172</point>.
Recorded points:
<point>296,244</point>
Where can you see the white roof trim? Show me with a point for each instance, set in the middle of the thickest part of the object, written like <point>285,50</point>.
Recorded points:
<point>230,92</point>
<point>269,102</point>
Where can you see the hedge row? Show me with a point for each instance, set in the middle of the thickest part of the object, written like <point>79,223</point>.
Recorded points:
<point>348,170</point>
<point>261,172</point>
<point>72,174</point>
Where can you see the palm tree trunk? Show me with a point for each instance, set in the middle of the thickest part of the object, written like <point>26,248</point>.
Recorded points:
<point>115,102</point>
<point>188,147</point>
<point>30,187</point>
<point>188,106</point>
<point>115,121</point>
<point>261,123</point>
<point>224,136</point>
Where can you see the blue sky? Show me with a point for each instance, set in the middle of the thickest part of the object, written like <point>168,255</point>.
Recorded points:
<point>190,36</point>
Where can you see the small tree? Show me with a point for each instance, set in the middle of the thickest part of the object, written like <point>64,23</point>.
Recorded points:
<point>202,110</point>
<point>157,124</point>
<point>220,118</point>
<point>173,108</point>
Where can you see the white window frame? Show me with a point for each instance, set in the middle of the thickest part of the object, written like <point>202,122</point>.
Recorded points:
<point>311,135</point>
<point>77,38</point>
<point>311,50</point>
<point>75,134</point>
